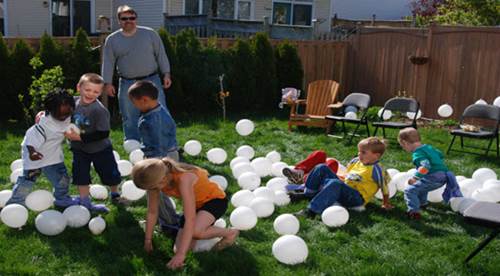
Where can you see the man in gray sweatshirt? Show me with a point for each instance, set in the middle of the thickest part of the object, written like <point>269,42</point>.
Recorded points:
<point>138,54</point>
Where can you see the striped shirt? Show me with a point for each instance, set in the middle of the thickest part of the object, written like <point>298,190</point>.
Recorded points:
<point>367,179</point>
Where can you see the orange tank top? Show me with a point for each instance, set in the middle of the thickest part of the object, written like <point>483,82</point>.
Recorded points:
<point>204,189</point>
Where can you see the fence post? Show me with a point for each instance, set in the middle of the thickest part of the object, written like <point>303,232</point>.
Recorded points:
<point>266,27</point>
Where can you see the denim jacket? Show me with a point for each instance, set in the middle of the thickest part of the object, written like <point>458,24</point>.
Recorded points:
<point>157,130</point>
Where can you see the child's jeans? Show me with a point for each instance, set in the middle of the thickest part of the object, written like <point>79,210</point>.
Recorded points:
<point>416,194</point>
<point>57,175</point>
<point>328,190</point>
<point>315,158</point>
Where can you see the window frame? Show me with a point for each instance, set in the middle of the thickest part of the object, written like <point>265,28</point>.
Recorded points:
<point>292,3</point>
<point>235,11</point>
<point>71,16</point>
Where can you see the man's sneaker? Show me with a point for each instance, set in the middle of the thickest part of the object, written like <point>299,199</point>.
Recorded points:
<point>360,208</point>
<point>414,215</point>
<point>294,176</point>
<point>100,208</point>
<point>66,202</point>
<point>305,213</point>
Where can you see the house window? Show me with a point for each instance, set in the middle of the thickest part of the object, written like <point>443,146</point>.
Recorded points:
<point>2,21</point>
<point>244,10</point>
<point>70,15</point>
<point>292,12</point>
<point>192,7</point>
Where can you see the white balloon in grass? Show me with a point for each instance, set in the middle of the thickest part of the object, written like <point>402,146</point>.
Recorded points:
<point>76,216</point>
<point>116,155</point>
<point>497,101</point>
<point>249,181</point>
<point>351,115</point>
<point>131,145</point>
<point>241,168</point>
<point>263,207</point>
<point>487,195</point>
<point>244,127</point>
<point>192,147</point>
<point>262,166</point>
<point>484,174</point>
<point>335,216</point>
<point>491,184</point>
<point>436,195</point>
<point>243,218</point>
<point>400,179</point>
<point>136,156</point>
<point>445,110</point>
<point>481,101</point>
<point>290,249</point>
<point>14,215</point>
<point>455,202</point>
<point>220,180</point>
<point>220,223</point>
<point>39,200</point>
<point>15,174</point>
<point>246,151</point>
<point>264,192</point>
<point>205,245</point>
<point>217,155</point>
<point>16,164</point>
<point>411,115</point>
<point>460,178</point>
<point>468,186</point>
<point>412,172</point>
<point>392,172</point>
<point>286,224</point>
<point>98,191</point>
<point>387,114</point>
<point>277,168</point>
<point>281,198</point>
<point>131,192</point>
<point>392,191</point>
<point>465,204</point>
<point>238,160</point>
<point>50,222</point>
<point>277,184</point>
<point>124,167</point>
<point>273,156</point>
<point>242,198</point>
<point>97,225</point>
<point>4,197</point>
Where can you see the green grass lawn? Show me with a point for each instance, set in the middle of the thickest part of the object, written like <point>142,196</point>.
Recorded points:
<point>373,242</point>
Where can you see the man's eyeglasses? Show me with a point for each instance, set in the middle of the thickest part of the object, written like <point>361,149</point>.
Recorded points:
<point>132,18</point>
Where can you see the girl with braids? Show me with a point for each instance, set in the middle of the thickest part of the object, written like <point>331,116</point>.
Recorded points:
<point>42,150</point>
<point>203,203</point>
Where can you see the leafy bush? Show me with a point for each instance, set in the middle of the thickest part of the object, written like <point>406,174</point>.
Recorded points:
<point>372,114</point>
<point>51,53</point>
<point>5,78</point>
<point>288,66</point>
<point>241,77</point>
<point>81,58</point>
<point>21,55</point>
<point>266,91</point>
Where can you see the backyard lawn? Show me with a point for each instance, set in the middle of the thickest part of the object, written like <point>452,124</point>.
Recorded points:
<point>373,242</point>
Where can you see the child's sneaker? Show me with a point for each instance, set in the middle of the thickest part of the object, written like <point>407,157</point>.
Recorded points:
<point>305,213</point>
<point>294,176</point>
<point>101,208</point>
<point>414,215</point>
<point>296,196</point>
<point>66,202</point>
<point>360,208</point>
<point>116,198</point>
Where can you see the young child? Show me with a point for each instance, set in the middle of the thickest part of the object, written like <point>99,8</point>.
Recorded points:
<point>93,145</point>
<point>203,202</point>
<point>42,150</point>
<point>298,174</point>
<point>364,176</point>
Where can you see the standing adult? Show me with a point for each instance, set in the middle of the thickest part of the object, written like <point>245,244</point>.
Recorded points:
<point>137,52</point>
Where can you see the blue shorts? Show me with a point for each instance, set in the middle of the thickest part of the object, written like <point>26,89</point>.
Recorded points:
<point>104,164</point>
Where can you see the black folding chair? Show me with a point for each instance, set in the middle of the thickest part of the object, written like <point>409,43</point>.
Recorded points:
<point>399,104</point>
<point>486,114</point>
<point>485,214</point>
<point>361,101</point>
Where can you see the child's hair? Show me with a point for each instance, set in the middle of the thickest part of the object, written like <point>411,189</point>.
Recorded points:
<point>373,144</point>
<point>147,173</point>
<point>143,88</point>
<point>125,8</point>
<point>409,135</point>
<point>92,78</point>
<point>57,98</point>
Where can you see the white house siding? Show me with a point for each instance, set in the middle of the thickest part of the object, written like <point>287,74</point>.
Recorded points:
<point>364,9</point>
<point>150,12</point>
<point>322,13</point>
<point>263,8</point>
<point>27,18</point>
<point>175,7</point>
<point>103,7</point>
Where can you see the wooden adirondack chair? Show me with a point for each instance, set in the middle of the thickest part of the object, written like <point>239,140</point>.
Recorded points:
<point>321,95</point>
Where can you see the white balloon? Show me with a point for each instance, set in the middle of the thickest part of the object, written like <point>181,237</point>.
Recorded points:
<point>125,167</point>
<point>136,156</point>
<point>401,180</point>
<point>411,115</point>
<point>74,128</point>
<point>455,202</point>
<point>497,101</point>
<point>335,216</point>
<point>238,160</point>
<point>220,180</point>
<point>205,245</point>
<point>273,156</point>
<point>465,204</point>
<point>131,192</point>
<point>4,197</point>
<point>117,155</point>
<point>290,249</point>
<point>286,224</point>
<point>487,195</point>
<point>98,191</point>
<point>491,184</point>
<point>460,178</point>
<point>481,101</point>
<point>220,223</point>
<point>263,207</point>
<point>50,222</point>
<point>244,127</point>
<point>246,151</point>
<point>15,174</point>
<point>242,198</point>
<point>484,174</point>
<point>39,200</point>
<point>76,216</point>
<point>243,218</point>
<point>192,147</point>
<point>217,155</point>
<point>277,168</point>
<point>241,168</point>
<point>277,184</point>
<point>350,115</point>
<point>131,145</point>
<point>436,195</point>
<point>97,225</point>
<point>392,191</point>
<point>262,166</point>
<point>264,192</point>
<point>14,215</point>
<point>468,186</point>
<point>16,164</point>
<point>445,110</point>
<point>392,172</point>
<point>412,172</point>
<point>249,181</point>
<point>387,114</point>
<point>281,198</point>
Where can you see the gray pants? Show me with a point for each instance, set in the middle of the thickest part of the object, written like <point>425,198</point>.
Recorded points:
<point>167,214</point>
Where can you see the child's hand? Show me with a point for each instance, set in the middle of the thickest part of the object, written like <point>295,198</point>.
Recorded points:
<point>176,262</point>
<point>148,246</point>
<point>72,135</point>
<point>412,181</point>
<point>387,206</point>
<point>38,116</point>
<point>35,155</point>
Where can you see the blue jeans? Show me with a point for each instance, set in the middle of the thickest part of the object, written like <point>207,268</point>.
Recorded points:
<point>416,194</point>
<point>327,189</point>
<point>57,175</point>
<point>130,114</point>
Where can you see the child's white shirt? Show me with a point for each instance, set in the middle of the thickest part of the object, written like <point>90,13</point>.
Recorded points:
<point>46,137</point>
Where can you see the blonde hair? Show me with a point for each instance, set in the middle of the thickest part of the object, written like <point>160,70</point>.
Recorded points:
<point>409,135</point>
<point>147,173</point>
<point>373,144</point>
<point>92,78</point>
<point>124,9</point>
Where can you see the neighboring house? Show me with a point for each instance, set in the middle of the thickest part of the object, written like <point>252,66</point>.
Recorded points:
<point>1,18</point>
<point>365,9</point>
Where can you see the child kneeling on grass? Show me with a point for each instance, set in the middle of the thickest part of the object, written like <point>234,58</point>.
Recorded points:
<point>203,203</point>
<point>364,176</point>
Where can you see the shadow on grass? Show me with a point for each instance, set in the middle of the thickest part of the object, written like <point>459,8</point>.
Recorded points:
<point>234,260</point>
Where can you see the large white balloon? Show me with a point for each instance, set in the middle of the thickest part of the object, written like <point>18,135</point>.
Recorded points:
<point>238,159</point>
<point>192,147</point>
<point>401,180</point>
<point>455,203</point>
<point>76,216</point>
<point>246,151</point>
<point>387,114</point>
<point>460,178</point>
<point>286,224</point>
<point>116,155</point>
<point>411,115</point>
<point>277,168</point>
<point>465,204</point>
<point>277,184</point>
<point>392,191</point>
<point>217,155</point>
<point>131,145</point>
<point>392,172</point>
<point>350,115</point>
<point>487,195</point>
<point>14,215</point>
<point>15,174</point>
<point>98,191</point>
<point>335,216</point>
<point>249,181</point>
<point>264,192</point>
<point>468,186</point>
<point>484,174</point>
<point>131,192</point>
<point>436,195</point>
<point>273,156</point>
<point>481,101</point>
<point>497,101</point>
<point>205,245</point>
<point>281,198</point>
<point>242,198</point>
<point>50,222</point>
<point>243,218</point>
<point>39,200</point>
<point>220,180</point>
<point>16,164</point>
<point>136,156</point>
<point>445,110</point>
<point>262,166</point>
<point>4,197</point>
<point>491,184</point>
<point>290,249</point>
<point>97,225</point>
<point>220,223</point>
<point>125,167</point>
<point>244,127</point>
<point>263,207</point>
<point>241,168</point>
